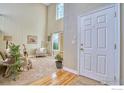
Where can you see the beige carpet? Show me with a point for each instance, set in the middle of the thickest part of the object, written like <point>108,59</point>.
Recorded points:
<point>42,66</point>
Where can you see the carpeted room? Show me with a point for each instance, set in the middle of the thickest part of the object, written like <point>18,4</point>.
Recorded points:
<point>27,24</point>
<point>23,24</point>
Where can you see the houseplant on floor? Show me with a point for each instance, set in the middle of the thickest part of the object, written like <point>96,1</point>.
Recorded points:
<point>59,60</point>
<point>15,55</point>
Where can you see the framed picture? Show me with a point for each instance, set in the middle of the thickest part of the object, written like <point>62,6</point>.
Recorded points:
<point>32,39</point>
<point>7,38</point>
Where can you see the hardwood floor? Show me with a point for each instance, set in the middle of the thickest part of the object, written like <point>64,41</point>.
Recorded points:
<point>63,77</point>
<point>59,78</point>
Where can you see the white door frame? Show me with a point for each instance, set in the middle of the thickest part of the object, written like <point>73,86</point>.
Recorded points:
<point>117,40</point>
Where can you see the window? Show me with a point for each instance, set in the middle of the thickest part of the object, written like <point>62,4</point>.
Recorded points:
<point>59,11</point>
<point>55,41</point>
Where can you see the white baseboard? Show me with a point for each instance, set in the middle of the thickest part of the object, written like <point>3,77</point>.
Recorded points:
<point>70,70</point>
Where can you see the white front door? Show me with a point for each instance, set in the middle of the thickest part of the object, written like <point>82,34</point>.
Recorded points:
<point>97,40</point>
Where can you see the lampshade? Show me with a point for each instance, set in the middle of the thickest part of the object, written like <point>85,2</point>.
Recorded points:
<point>7,38</point>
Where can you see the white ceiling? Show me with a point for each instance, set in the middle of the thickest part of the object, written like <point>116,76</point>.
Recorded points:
<point>46,4</point>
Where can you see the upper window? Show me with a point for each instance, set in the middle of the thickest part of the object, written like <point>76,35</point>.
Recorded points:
<point>59,11</point>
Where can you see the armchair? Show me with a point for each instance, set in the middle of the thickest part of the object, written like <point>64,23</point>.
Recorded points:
<point>41,52</point>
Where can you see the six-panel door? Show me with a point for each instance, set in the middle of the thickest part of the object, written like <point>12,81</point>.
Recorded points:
<point>97,45</point>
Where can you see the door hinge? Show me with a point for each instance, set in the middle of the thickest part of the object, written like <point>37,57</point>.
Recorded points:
<point>115,46</point>
<point>115,14</point>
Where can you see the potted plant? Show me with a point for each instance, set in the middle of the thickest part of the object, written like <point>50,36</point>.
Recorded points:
<point>59,60</point>
<point>15,55</point>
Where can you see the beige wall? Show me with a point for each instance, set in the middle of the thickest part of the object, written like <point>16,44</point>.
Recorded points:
<point>20,20</point>
<point>53,24</point>
<point>70,32</point>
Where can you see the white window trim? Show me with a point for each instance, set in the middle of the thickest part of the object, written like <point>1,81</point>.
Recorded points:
<point>57,14</point>
<point>58,44</point>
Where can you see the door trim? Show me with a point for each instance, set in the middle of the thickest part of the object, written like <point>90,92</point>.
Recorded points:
<point>117,40</point>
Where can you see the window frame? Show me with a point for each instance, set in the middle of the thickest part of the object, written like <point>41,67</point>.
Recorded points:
<point>58,17</point>
<point>58,41</point>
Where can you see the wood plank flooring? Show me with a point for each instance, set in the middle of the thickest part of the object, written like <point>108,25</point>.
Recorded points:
<point>59,78</point>
<point>62,77</point>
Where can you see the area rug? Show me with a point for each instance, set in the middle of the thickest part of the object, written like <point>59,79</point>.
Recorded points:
<point>42,66</point>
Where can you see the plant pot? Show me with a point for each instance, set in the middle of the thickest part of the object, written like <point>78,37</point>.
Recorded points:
<point>59,64</point>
